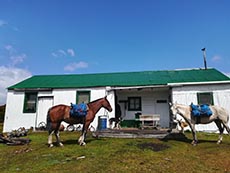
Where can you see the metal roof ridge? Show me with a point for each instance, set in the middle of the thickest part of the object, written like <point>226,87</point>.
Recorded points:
<point>128,72</point>
<point>184,69</point>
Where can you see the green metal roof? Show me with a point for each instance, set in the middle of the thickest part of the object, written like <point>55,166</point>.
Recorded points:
<point>143,78</point>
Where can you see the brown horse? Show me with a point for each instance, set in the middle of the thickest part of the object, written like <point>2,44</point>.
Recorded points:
<point>60,113</point>
<point>219,116</point>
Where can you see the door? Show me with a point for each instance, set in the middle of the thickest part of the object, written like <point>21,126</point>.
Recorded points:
<point>162,108</point>
<point>44,103</point>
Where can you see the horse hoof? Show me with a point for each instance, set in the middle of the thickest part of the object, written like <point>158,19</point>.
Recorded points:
<point>50,145</point>
<point>194,143</point>
<point>61,145</point>
<point>219,142</point>
<point>82,144</point>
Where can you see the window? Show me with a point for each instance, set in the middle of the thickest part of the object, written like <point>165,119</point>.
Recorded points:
<point>161,101</point>
<point>30,102</point>
<point>205,98</point>
<point>83,97</point>
<point>134,103</point>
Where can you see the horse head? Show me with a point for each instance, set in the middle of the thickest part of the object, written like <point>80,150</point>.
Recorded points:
<point>173,109</point>
<point>106,104</point>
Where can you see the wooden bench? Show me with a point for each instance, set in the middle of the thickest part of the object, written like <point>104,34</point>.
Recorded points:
<point>152,120</point>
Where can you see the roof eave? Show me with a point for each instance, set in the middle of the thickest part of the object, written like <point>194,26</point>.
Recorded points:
<point>198,83</point>
<point>136,87</point>
<point>31,89</point>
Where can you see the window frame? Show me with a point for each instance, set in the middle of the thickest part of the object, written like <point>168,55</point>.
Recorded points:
<point>203,94</point>
<point>26,98</point>
<point>137,101</point>
<point>83,92</point>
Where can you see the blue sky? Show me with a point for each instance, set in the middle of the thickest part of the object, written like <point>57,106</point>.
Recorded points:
<point>40,37</point>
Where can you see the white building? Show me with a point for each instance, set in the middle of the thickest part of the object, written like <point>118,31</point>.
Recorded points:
<point>147,92</point>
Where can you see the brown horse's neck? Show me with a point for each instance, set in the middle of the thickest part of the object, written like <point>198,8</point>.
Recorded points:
<point>95,106</point>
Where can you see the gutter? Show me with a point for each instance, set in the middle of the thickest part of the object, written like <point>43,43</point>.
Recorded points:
<point>139,87</point>
<point>31,89</point>
<point>198,83</point>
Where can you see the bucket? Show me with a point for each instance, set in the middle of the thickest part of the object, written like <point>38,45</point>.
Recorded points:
<point>102,122</point>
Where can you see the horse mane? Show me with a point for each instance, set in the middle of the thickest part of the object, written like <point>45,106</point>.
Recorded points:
<point>182,105</point>
<point>185,108</point>
<point>94,101</point>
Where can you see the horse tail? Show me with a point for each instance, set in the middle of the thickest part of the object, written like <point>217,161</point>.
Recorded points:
<point>48,121</point>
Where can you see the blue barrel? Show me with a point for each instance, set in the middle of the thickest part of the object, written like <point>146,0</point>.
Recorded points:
<point>102,122</point>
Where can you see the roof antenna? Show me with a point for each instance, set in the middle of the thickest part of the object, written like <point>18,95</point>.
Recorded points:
<point>204,55</point>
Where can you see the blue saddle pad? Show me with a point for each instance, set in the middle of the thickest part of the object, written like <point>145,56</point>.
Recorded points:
<point>201,110</point>
<point>78,110</point>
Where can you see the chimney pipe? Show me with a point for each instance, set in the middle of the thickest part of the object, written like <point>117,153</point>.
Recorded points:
<point>204,56</point>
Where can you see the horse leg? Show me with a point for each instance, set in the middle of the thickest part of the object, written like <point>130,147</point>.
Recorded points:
<point>81,139</point>
<point>51,130</point>
<point>226,127</point>
<point>221,130</point>
<point>54,129</point>
<point>50,144</point>
<point>57,135</point>
<point>192,126</point>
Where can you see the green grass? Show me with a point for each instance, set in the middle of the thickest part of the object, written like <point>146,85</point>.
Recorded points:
<point>117,155</point>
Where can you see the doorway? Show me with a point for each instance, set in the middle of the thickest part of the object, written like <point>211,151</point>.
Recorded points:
<point>44,103</point>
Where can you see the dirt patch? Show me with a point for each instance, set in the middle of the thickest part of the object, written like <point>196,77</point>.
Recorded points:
<point>153,146</point>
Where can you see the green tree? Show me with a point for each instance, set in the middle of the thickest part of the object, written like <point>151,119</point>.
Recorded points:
<point>2,113</point>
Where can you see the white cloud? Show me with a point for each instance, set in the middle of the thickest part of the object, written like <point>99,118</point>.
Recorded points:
<point>17,59</point>
<point>9,47</point>
<point>63,53</point>
<point>8,77</point>
<point>216,58</point>
<point>73,66</point>
<point>71,52</point>
<point>2,23</point>
<point>54,54</point>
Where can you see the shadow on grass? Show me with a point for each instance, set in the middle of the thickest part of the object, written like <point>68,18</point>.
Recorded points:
<point>183,138</point>
<point>176,137</point>
<point>75,141</point>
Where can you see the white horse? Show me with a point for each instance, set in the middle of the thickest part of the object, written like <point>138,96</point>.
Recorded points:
<point>219,116</point>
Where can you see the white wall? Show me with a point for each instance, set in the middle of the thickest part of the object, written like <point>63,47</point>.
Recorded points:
<point>64,96</point>
<point>15,118</point>
<point>188,94</point>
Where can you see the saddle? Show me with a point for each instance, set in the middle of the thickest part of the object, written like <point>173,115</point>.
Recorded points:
<point>200,110</point>
<point>78,110</point>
